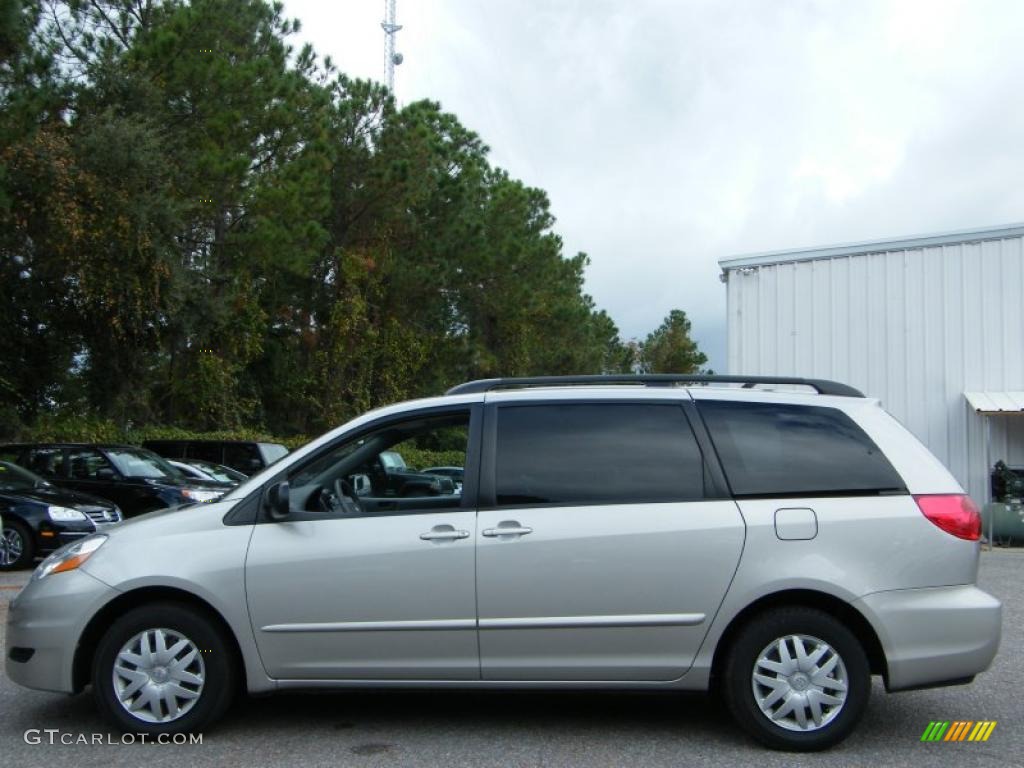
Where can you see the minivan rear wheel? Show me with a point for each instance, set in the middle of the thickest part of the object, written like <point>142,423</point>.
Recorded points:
<point>163,668</point>
<point>797,679</point>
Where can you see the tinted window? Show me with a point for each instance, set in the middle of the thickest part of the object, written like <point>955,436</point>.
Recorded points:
<point>45,461</point>
<point>245,457</point>
<point>137,462</point>
<point>171,449</point>
<point>610,453</point>
<point>785,450</point>
<point>89,464</point>
<point>206,451</point>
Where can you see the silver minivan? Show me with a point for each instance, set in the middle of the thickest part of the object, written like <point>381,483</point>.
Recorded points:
<point>778,541</point>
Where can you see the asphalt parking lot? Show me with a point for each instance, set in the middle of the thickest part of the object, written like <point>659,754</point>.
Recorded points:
<point>539,729</point>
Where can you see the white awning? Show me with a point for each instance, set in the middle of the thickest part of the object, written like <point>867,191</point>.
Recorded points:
<point>996,402</point>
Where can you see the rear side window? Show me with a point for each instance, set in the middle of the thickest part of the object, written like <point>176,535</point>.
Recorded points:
<point>598,453</point>
<point>206,452</point>
<point>47,461</point>
<point>245,457</point>
<point>793,450</point>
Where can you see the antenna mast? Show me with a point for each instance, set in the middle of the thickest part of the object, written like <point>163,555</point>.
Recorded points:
<point>391,59</point>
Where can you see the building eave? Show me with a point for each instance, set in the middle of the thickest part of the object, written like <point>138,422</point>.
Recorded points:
<point>871,246</point>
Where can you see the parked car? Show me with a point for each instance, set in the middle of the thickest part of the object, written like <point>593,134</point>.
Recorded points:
<point>390,476</point>
<point>208,472</point>
<point>38,517</point>
<point>136,480</point>
<point>455,473</point>
<point>248,457</point>
<point>779,547</point>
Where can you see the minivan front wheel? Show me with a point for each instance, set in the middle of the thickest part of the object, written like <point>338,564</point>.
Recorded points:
<point>163,668</point>
<point>797,679</point>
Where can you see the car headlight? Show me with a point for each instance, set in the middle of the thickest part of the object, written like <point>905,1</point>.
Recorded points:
<point>70,556</point>
<point>193,494</point>
<point>65,515</point>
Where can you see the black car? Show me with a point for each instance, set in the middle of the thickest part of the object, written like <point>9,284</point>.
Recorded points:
<point>247,456</point>
<point>135,479</point>
<point>38,517</point>
<point>390,476</point>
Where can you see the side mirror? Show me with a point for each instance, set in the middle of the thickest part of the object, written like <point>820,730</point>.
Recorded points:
<point>279,501</point>
<point>105,473</point>
<point>360,484</point>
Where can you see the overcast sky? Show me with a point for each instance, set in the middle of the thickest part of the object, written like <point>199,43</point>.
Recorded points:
<point>669,135</point>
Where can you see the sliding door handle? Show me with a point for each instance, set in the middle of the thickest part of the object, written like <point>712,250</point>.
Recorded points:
<point>507,528</point>
<point>444,533</point>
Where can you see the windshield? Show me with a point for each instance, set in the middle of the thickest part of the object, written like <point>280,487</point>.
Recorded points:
<point>14,478</point>
<point>392,460</point>
<point>136,462</point>
<point>273,452</point>
<point>219,473</point>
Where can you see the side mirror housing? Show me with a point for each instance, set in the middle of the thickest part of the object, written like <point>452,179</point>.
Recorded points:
<point>279,501</point>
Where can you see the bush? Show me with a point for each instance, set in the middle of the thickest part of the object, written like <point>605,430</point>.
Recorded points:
<point>88,429</point>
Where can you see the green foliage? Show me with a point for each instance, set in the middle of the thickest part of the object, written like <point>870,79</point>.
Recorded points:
<point>201,225</point>
<point>670,348</point>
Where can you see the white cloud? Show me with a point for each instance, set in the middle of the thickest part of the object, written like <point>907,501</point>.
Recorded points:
<point>671,134</point>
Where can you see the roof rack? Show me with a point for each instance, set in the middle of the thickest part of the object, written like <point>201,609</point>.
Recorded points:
<point>821,386</point>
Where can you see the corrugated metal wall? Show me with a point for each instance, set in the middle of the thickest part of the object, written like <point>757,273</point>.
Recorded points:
<point>915,328</point>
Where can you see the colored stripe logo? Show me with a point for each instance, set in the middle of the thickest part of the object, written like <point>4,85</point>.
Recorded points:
<point>958,730</point>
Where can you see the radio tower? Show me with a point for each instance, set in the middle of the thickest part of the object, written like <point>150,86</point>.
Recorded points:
<point>391,59</point>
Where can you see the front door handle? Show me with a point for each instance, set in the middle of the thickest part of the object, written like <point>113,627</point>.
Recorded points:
<point>444,533</point>
<point>507,528</point>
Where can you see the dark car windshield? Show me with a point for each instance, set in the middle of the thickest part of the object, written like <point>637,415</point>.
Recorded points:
<point>15,478</point>
<point>136,462</point>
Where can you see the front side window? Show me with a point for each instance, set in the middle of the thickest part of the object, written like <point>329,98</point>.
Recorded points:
<point>577,453</point>
<point>769,449</point>
<point>89,464</point>
<point>380,472</point>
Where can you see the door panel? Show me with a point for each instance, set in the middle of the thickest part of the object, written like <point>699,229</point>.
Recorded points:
<point>366,598</point>
<point>612,592</point>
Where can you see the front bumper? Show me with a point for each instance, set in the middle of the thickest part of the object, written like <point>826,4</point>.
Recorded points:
<point>44,623</point>
<point>934,636</point>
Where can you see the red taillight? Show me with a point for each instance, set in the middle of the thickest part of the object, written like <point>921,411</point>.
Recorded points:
<point>955,514</point>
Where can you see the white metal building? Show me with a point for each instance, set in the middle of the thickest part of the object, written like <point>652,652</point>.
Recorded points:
<point>933,326</point>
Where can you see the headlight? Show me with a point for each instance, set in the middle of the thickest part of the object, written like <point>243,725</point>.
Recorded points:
<point>196,495</point>
<point>65,515</point>
<point>70,556</point>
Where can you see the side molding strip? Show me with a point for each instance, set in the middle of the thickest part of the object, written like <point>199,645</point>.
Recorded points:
<point>539,622</point>
<point>559,622</point>
<point>373,626</point>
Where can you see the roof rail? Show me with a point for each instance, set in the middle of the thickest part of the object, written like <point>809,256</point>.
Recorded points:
<point>821,386</point>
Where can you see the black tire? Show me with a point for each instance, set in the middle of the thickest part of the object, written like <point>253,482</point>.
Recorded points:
<point>219,667</point>
<point>28,545</point>
<point>755,637</point>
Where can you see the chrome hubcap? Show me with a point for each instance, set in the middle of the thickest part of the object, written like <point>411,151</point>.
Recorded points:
<point>159,675</point>
<point>800,683</point>
<point>11,547</point>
